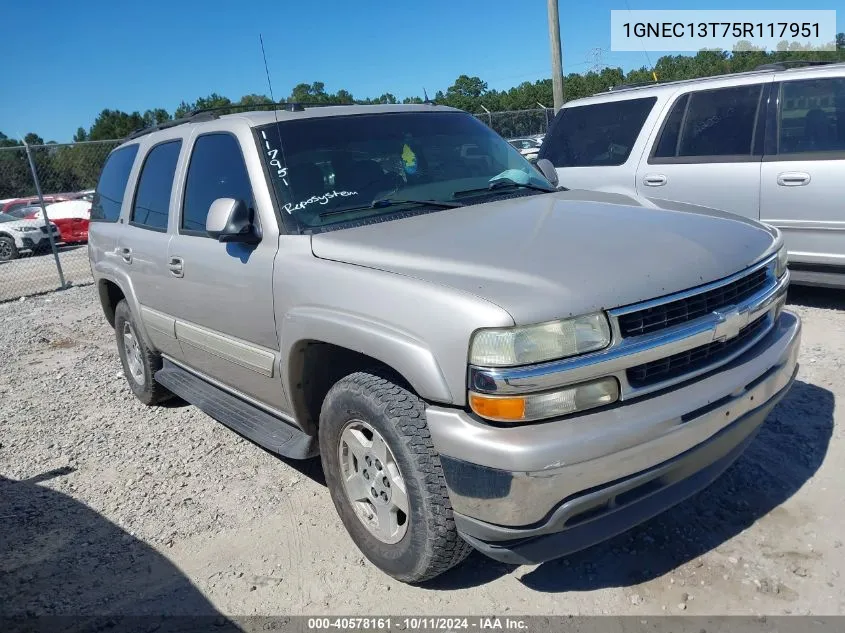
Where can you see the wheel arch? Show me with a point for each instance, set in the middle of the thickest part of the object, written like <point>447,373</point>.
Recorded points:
<point>320,347</point>
<point>110,294</point>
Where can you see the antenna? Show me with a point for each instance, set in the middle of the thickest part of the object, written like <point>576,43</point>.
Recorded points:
<point>266,70</point>
<point>425,94</point>
<point>273,99</point>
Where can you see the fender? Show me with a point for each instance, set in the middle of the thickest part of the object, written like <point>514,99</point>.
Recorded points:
<point>104,271</point>
<point>392,346</point>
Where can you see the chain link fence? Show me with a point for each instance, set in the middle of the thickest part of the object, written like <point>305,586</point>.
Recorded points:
<point>37,253</point>
<point>516,123</point>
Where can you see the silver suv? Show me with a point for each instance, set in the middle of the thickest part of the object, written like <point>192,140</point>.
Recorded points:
<point>768,145</point>
<point>479,359</point>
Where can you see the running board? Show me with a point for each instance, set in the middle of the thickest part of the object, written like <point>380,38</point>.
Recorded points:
<point>265,429</point>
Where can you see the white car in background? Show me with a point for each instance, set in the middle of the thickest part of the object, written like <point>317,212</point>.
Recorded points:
<point>21,235</point>
<point>528,147</point>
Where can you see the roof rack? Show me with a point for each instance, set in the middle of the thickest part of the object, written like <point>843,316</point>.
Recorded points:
<point>209,114</point>
<point>796,63</point>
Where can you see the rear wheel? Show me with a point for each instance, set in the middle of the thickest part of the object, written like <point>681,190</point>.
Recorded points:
<point>8,250</point>
<point>139,363</point>
<point>386,480</point>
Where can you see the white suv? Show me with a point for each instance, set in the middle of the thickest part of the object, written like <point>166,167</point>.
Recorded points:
<point>17,235</point>
<point>767,144</point>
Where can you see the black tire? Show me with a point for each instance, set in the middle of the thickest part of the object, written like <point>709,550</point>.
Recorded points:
<point>147,390</point>
<point>8,249</point>
<point>431,545</point>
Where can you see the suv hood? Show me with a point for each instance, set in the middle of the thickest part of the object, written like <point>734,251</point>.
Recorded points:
<point>550,256</point>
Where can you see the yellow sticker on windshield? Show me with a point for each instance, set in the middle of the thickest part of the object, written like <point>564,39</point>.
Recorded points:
<point>409,160</point>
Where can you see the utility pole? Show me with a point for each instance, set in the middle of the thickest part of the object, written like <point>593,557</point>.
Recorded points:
<point>557,54</point>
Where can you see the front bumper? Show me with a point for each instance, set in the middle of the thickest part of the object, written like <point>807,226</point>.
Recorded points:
<point>536,492</point>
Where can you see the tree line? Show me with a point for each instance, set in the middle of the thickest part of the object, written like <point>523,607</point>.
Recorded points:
<point>73,168</point>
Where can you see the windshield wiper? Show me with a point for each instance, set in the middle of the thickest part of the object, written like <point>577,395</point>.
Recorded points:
<point>503,183</point>
<point>389,202</point>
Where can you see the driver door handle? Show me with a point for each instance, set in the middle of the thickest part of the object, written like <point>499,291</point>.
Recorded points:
<point>793,179</point>
<point>654,180</point>
<point>176,266</point>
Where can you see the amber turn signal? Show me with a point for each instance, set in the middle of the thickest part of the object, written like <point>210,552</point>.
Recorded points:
<point>497,408</point>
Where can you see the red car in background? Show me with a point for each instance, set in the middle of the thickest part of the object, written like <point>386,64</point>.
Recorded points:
<point>71,216</point>
<point>10,206</point>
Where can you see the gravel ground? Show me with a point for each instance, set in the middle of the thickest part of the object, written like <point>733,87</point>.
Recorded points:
<point>108,507</point>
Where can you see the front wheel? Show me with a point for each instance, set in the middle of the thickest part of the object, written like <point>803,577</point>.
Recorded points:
<point>8,249</point>
<point>386,480</point>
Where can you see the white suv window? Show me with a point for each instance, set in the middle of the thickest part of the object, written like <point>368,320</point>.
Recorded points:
<point>710,125</point>
<point>597,134</point>
<point>812,116</point>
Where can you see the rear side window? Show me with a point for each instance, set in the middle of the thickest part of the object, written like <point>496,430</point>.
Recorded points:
<point>710,124</point>
<point>812,117</point>
<point>596,135</point>
<point>217,170</point>
<point>108,196</point>
<point>155,184</point>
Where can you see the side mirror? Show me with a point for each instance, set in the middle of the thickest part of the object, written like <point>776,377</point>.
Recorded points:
<point>230,220</point>
<point>548,170</point>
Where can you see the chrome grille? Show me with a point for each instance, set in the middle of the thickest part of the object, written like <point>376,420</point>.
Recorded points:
<point>694,359</point>
<point>682,310</point>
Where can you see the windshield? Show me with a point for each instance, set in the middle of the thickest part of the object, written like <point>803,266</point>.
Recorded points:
<point>5,217</point>
<point>322,166</point>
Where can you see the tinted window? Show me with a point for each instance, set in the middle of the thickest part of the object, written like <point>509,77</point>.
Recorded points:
<point>812,116</point>
<point>667,144</point>
<point>155,184</point>
<point>711,123</point>
<point>112,185</point>
<point>593,135</point>
<point>217,170</point>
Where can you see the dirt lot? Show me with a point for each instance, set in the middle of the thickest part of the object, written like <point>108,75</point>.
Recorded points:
<point>108,507</point>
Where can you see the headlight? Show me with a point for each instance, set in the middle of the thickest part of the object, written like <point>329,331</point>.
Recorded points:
<point>782,261</point>
<point>504,347</point>
<point>26,229</point>
<point>550,404</point>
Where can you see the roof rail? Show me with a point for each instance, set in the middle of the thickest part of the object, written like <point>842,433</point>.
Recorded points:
<point>190,118</point>
<point>794,63</point>
<point>636,84</point>
<point>209,114</point>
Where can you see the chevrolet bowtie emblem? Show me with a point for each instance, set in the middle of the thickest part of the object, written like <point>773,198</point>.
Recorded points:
<point>729,323</point>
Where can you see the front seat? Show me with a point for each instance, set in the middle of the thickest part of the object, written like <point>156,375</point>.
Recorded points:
<point>816,132</point>
<point>366,177</point>
<point>306,180</point>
